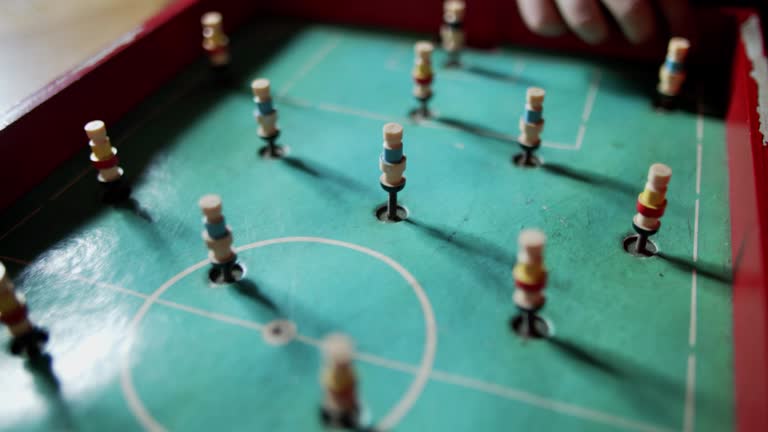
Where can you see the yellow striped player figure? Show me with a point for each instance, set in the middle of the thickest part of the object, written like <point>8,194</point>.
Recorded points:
<point>340,408</point>
<point>422,78</point>
<point>650,208</point>
<point>530,279</point>
<point>27,338</point>
<point>215,41</point>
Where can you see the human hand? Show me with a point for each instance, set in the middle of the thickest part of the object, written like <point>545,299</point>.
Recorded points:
<point>638,19</point>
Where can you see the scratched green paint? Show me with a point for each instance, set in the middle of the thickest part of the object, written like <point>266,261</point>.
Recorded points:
<point>622,324</point>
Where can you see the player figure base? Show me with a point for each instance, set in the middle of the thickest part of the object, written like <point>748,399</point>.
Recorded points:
<point>30,343</point>
<point>221,274</point>
<point>526,160</point>
<point>665,102</point>
<point>272,150</point>
<point>344,420</point>
<point>453,63</point>
<point>527,157</point>
<point>357,421</point>
<point>632,246</point>
<point>530,327</point>
<point>382,214</point>
<point>115,192</point>
<point>422,112</point>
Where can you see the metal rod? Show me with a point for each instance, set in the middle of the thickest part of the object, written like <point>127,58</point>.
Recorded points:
<point>642,244</point>
<point>392,206</point>
<point>424,110</point>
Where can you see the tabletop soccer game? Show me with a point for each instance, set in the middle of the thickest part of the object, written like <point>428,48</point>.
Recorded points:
<point>240,250</point>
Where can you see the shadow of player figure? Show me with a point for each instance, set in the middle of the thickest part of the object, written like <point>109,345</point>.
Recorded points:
<point>590,178</point>
<point>48,385</point>
<point>709,271</point>
<point>316,170</point>
<point>497,75</point>
<point>248,288</point>
<point>476,129</point>
<point>473,244</point>
<point>645,386</point>
<point>133,206</point>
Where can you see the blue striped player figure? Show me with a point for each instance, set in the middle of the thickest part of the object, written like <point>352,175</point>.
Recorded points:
<point>672,72</point>
<point>452,31</point>
<point>531,125</point>
<point>266,116</point>
<point>392,164</point>
<point>218,238</point>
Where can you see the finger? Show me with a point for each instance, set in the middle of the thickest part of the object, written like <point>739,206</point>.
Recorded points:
<point>677,14</point>
<point>541,17</point>
<point>635,17</point>
<point>585,18</point>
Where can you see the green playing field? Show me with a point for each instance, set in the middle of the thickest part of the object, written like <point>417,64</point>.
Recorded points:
<point>141,339</point>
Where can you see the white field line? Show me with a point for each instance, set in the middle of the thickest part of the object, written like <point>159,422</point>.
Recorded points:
<point>689,416</point>
<point>309,65</point>
<point>692,324</point>
<point>440,376</point>
<point>589,103</point>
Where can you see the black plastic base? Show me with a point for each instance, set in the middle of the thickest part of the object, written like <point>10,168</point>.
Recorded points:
<point>528,325</point>
<point>346,420</point>
<point>30,343</point>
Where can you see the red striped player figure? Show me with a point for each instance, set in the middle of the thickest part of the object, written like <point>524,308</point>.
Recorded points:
<point>392,165</point>
<point>340,408</point>
<point>531,126</point>
<point>422,78</point>
<point>215,42</point>
<point>530,280</point>
<point>104,159</point>
<point>218,239</point>
<point>27,337</point>
<point>650,208</point>
<point>452,31</point>
<point>266,116</point>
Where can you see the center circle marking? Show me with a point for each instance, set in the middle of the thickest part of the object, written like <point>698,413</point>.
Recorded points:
<point>395,414</point>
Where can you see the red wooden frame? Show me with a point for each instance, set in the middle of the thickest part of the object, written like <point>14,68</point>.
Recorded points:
<point>111,84</point>
<point>748,177</point>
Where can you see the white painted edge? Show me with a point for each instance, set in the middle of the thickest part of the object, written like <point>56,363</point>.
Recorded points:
<point>751,37</point>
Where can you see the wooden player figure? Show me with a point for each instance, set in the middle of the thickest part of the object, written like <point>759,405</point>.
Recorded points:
<point>104,159</point>
<point>672,72</point>
<point>27,338</point>
<point>452,31</point>
<point>392,164</point>
<point>218,239</point>
<point>215,42</point>
<point>340,407</point>
<point>422,77</point>
<point>650,206</point>
<point>531,126</point>
<point>530,279</point>
<point>266,116</point>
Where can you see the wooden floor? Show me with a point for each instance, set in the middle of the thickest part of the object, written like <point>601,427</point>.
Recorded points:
<point>45,38</point>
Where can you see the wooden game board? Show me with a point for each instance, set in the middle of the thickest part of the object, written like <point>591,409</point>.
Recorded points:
<point>141,339</point>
